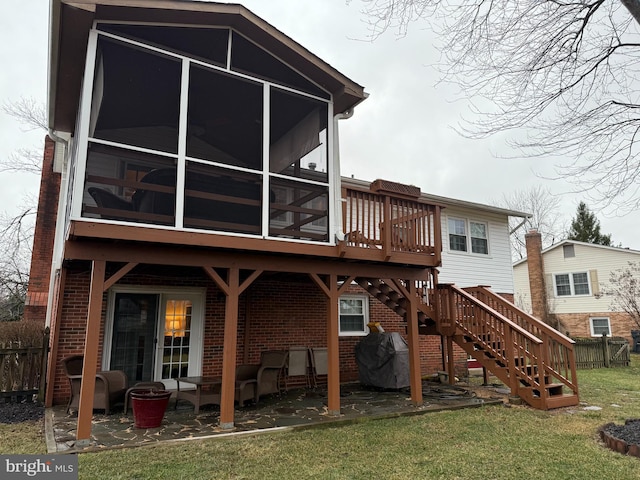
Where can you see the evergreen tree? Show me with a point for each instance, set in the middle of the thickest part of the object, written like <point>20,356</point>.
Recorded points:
<point>585,227</point>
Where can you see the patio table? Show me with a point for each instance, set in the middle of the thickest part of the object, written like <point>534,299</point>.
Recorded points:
<point>199,396</point>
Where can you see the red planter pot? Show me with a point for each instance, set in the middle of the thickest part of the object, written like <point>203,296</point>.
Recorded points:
<point>149,407</point>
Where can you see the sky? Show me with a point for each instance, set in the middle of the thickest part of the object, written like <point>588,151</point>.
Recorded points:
<point>403,132</point>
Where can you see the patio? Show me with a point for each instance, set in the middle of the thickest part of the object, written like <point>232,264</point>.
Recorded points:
<point>293,409</point>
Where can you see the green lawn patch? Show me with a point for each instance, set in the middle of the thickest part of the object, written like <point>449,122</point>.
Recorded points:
<point>493,442</point>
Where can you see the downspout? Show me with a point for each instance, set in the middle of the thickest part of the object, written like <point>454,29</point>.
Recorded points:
<point>337,182</point>
<point>54,136</point>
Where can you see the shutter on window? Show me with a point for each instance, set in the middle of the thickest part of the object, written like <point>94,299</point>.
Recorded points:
<point>595,288</point>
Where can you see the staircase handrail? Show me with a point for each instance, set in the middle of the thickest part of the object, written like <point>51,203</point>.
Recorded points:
<point>560,364</point>
<point>531,320</point>
<point>462,292</point>
<point>517,369</point>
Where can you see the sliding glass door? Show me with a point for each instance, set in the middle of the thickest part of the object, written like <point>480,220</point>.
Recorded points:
<point>156,336</point>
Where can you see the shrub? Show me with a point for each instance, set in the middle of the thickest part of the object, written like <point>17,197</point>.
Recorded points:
<point>21,334</point>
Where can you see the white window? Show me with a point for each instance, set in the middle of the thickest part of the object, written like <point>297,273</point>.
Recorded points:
<point>479,242</point>
<point>354,315</point>
<point>600,326</point>
<point>457,235</point>
<point>468,236</point>
<point>568,284</point>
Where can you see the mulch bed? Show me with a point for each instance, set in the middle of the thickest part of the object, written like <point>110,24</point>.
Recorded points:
<point>624,439</point>
<point>20,412</point>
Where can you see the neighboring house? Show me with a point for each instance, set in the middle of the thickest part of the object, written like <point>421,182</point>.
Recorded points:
<point>192,216</point>
<point>566,282</point>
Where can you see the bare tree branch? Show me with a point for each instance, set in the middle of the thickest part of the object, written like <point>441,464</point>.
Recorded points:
<point>28,111</point>
<point>546,217</point>
<point>562,75</point>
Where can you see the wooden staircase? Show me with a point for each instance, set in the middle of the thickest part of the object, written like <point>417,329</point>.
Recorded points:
<point>535,361</point>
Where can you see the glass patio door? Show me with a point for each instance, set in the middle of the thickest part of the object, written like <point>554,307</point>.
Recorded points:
<point>134,333</point>
<point>176,353</point>
<point>155,336</point>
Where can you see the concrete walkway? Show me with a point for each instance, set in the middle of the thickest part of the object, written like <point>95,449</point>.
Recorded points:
<point>292,409</point>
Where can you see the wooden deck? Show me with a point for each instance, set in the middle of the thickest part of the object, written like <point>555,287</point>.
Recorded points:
<point>380,225</point>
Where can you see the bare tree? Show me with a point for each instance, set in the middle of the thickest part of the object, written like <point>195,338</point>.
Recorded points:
<point>32,116</point>
<point>16,239</point>
<point>564,70</point>
<point>546,217</point>
<point>16,229</point>
<point>624,287</point>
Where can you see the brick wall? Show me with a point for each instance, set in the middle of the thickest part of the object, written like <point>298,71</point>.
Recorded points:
<point>274,312</point>
<point>578,325</point>
<point>44,233</point>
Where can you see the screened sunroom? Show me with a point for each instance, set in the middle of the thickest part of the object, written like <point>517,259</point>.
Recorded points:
<point>199,128</point>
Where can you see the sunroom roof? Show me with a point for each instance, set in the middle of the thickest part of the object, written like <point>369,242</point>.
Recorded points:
<point>71,21</point>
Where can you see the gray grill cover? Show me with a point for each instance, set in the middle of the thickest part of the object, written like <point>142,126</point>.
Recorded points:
<point>383,360</point>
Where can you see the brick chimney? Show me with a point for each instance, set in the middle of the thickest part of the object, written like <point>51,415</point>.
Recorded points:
<point>42,254</point>
<point>537,287</point>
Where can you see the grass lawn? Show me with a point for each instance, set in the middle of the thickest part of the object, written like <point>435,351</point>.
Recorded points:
<point>494,442</point>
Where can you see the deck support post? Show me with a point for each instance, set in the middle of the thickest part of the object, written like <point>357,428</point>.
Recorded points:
<point>229,350</point>
<point>333,347</point>
<point>332,291</point>
<point>451,370</point>
<point>232,288</point>
<point>58,296</point>
<point>414,345</point>
<point>409,290</point>
<point>91,345</point>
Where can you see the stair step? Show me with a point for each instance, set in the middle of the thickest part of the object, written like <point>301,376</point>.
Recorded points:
<point>566,400</point>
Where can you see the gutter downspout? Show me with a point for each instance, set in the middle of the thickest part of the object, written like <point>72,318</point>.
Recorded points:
<point>337,178</point>
<point>337,189</point>
<point>54,136</point>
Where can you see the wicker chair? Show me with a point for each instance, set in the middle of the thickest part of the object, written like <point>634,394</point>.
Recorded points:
<point>268,375</point>
<point>110,388</point>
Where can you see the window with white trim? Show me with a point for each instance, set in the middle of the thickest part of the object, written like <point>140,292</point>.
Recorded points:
<point>479,239</point>
<point>600,326</point>
<point>354,315</point>
<point>468,236</point>
<point>570,284</point>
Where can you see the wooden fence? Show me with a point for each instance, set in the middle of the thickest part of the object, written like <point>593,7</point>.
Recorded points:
<point>602,352</point>
<point>23,372</point>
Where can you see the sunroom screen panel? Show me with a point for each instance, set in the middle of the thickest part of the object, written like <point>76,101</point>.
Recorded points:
<point>224,121</point>
<point>127,107</point>
<point>222,199</point>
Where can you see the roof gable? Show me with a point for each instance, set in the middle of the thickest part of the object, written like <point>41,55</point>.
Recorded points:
<point>71,21</point>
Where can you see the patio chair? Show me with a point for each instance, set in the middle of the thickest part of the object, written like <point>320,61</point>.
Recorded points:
<point>246,383</point>
<point>110,388</point>
<point>298,365</point>
<point>268,375</point>
<point>319,363</point>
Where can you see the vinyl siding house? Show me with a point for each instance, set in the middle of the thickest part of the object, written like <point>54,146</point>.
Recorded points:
<point>192,216</point>
<point>573,278</point>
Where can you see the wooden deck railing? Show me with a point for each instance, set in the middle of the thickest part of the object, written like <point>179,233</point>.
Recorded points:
<point>558,356</point>
<point>511,346</point>
<point>391,227</point>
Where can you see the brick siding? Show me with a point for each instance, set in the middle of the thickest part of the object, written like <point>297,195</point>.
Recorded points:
<point>281,312</point>
<point>44,233</point>
<point>578,325</point>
